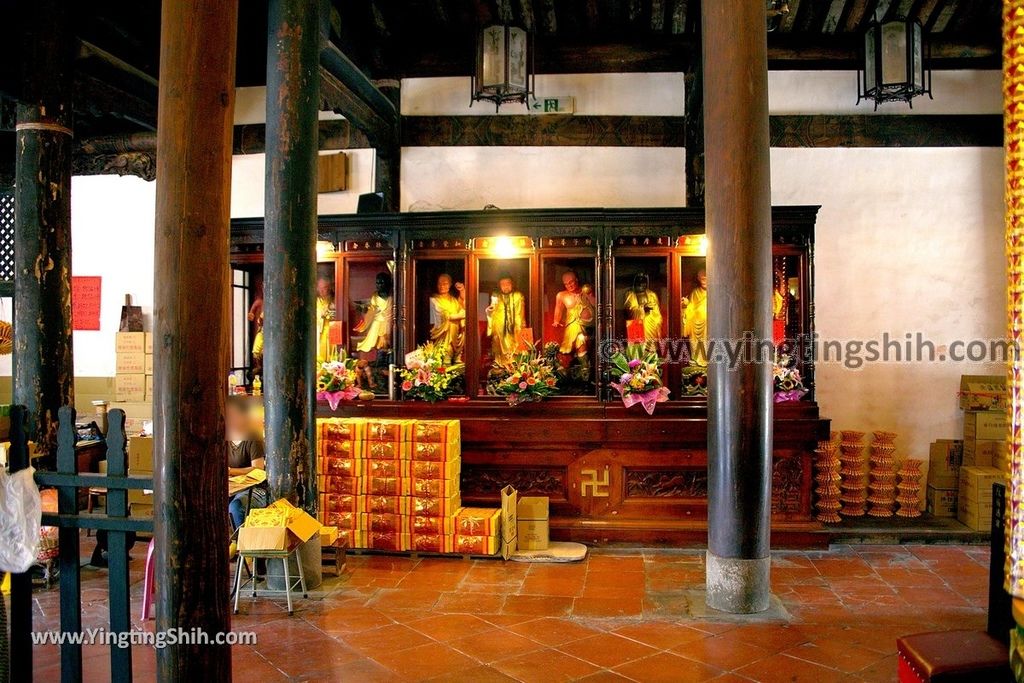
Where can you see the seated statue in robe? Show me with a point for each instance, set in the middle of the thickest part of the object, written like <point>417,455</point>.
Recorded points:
<point>448,318</point>
<point>642,306</point>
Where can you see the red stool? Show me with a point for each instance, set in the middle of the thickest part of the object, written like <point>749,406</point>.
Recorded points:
<point>148,582</point>
<point>952,657</point>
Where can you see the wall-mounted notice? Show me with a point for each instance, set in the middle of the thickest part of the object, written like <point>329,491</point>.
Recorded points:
<point>85,302</point>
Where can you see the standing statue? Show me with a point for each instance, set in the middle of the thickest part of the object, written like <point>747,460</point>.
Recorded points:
<point>642,305</point>
<point>448,318</point>
<point>506,317</point>
<point>325,314</point>
<point>695,320</point>
<point>378,317</point>
<point>574,312</point>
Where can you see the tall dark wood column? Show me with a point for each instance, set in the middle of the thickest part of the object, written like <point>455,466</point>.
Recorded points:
<point>388,174</point>
<point>738,201</point>
<point>43,364</point>
<point>192,330</point>
<point>290,249</point>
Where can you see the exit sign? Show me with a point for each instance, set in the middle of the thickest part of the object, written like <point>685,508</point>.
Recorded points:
<point>564,104</point>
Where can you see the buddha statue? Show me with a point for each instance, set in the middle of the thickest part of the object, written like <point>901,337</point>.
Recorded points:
<point>506,317</point>
<point>448,318</point>
<point>324,315</point>
<point>695,320</point>
<point>574,313</point>
<point>378,317</point>
<point>642,306</point>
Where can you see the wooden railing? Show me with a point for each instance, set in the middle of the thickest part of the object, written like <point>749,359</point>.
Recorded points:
<point>115,521</point>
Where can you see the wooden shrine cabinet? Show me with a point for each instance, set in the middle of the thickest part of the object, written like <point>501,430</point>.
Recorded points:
<point>613,474</point>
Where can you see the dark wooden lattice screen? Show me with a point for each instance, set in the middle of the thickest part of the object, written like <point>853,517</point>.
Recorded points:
<point>6,236</point>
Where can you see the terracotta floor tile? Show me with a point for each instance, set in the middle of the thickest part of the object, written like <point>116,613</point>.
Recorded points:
<point>541,606</point>
<point>724,652</point>
<point>599,562</point>
<point>470,603</point>
<point>553,632</point>
<point>780,668</point>
<point>393,637</point>
<point>836,654</point>
<point>603,676</point>
<point>662,635</point>
<point>322,654</point>
<point>400,599</point>
<point>494,644</point>
<point>775,637</point>
<point>447,627</point>
<point>544,666</point>
<point>433,582</point>
<point>669,668</point>
<point>607,650</point>
<point>568,588</point>
<point>882,671</point>
<point>424,662</point>
<point>362,670</point>
<point>350,620</point>
<point>478,674</point>
<point>625,606</point>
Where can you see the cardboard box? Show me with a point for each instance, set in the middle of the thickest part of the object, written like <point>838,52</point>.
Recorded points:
<point>509,523</point>
<point>149,364</point>
<point>387,541</point>
<point>340,450</point>
<point>432,526</point>
<point>140,496</point>
<point>142,410</point>
<point>380,505</point>
<point>126,342</point>
<point>341,520</point>
<point>989,425</point>
<point>435,507</point>
<point>476,545</point>
<point>431,469</point>
<point>149,387</point>
<point>130,387</point>
<point>131,362</point>
<point>279,526</point>
<point>338,502</point>
<point>140,455</point>
<point>478,522</point>
<point>434,488</point>
<point>395,431</point>
<point>135,425</point>
<point>143,510</point>
<point>983,392</point>
<point>434,452</point>
<point>340,429</point>
<point>351,538</point>
<point>385,523</point>
<point>432,543</point>
<point>976,482</point>
<point>328,536</point>
<point>148,343</point>
<point>944,458</point>
<point>983,452</point>
<point>974,514</point>
<point>532,526</point>
<point>941,502</point>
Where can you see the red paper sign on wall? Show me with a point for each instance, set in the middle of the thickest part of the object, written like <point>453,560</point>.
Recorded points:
<point>85,302</point>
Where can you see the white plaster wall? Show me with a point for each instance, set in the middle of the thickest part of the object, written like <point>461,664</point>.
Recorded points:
<point>112,236</point>
<point>908,240</point>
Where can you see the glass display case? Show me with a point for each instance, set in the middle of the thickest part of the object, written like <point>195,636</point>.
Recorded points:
<point>569,315</point>
<point>369,318</point>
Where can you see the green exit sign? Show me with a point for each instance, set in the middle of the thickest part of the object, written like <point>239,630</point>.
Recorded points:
<point>564,104</point>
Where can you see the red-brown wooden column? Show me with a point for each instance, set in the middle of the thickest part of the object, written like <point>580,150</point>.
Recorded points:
<point>289,330</point>
<point>43,367</point>
<point>738,201</point>
<point>192,331</point>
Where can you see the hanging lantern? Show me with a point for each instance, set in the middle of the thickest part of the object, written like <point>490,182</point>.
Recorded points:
<point>893,67</point>
<point>504,66</point>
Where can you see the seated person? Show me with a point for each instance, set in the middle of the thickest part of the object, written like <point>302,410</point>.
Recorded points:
<point>245,454</point>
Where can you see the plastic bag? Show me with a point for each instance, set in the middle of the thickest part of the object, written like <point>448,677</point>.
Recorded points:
<point>21,514</point>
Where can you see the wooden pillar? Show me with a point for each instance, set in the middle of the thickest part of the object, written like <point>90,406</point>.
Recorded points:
<point>694,120</point>
<point>738,201</point>
<point>388,173</point>
<point>192,331</point>
<point>290,249</point>
<point>43,365</point>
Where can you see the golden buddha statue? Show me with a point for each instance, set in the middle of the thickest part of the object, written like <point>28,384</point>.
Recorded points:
<point>448,318</point>
<point>378,317</point>
<point>324,316</point>
<point>506,317</point>
<point>695,320</point>
<point>574,312</point>
<point>642,305</point>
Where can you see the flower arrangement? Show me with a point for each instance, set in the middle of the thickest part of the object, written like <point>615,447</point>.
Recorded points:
<point>787,381</point>
<point>337,381</point>
<point>639,371</point>
<point>527,376</point>
<point>428,376</point>
<point>695,380</point>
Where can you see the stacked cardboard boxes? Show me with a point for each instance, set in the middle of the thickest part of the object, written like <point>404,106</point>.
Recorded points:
<point>944,459</point>
<point>133,383</point>
<point>974,503</point>
<point>140,463</point>
<point>983,400</point>
<point>392,484</point>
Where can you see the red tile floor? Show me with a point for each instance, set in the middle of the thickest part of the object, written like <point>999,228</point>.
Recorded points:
<point>620,615</point>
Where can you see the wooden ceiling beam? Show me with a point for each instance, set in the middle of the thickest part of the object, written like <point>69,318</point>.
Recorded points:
<point>941,18</point>
<point>788,23</point>
<point>857,13</point>
<point>923,12</point>
<point>679,11</point>
<point>834,15</point>
<point>882,8</point>
<point>657,15</point>
<point>526,10</point>
<point>548,17</point>
<point>503,10</point>
<point>346,90</point>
